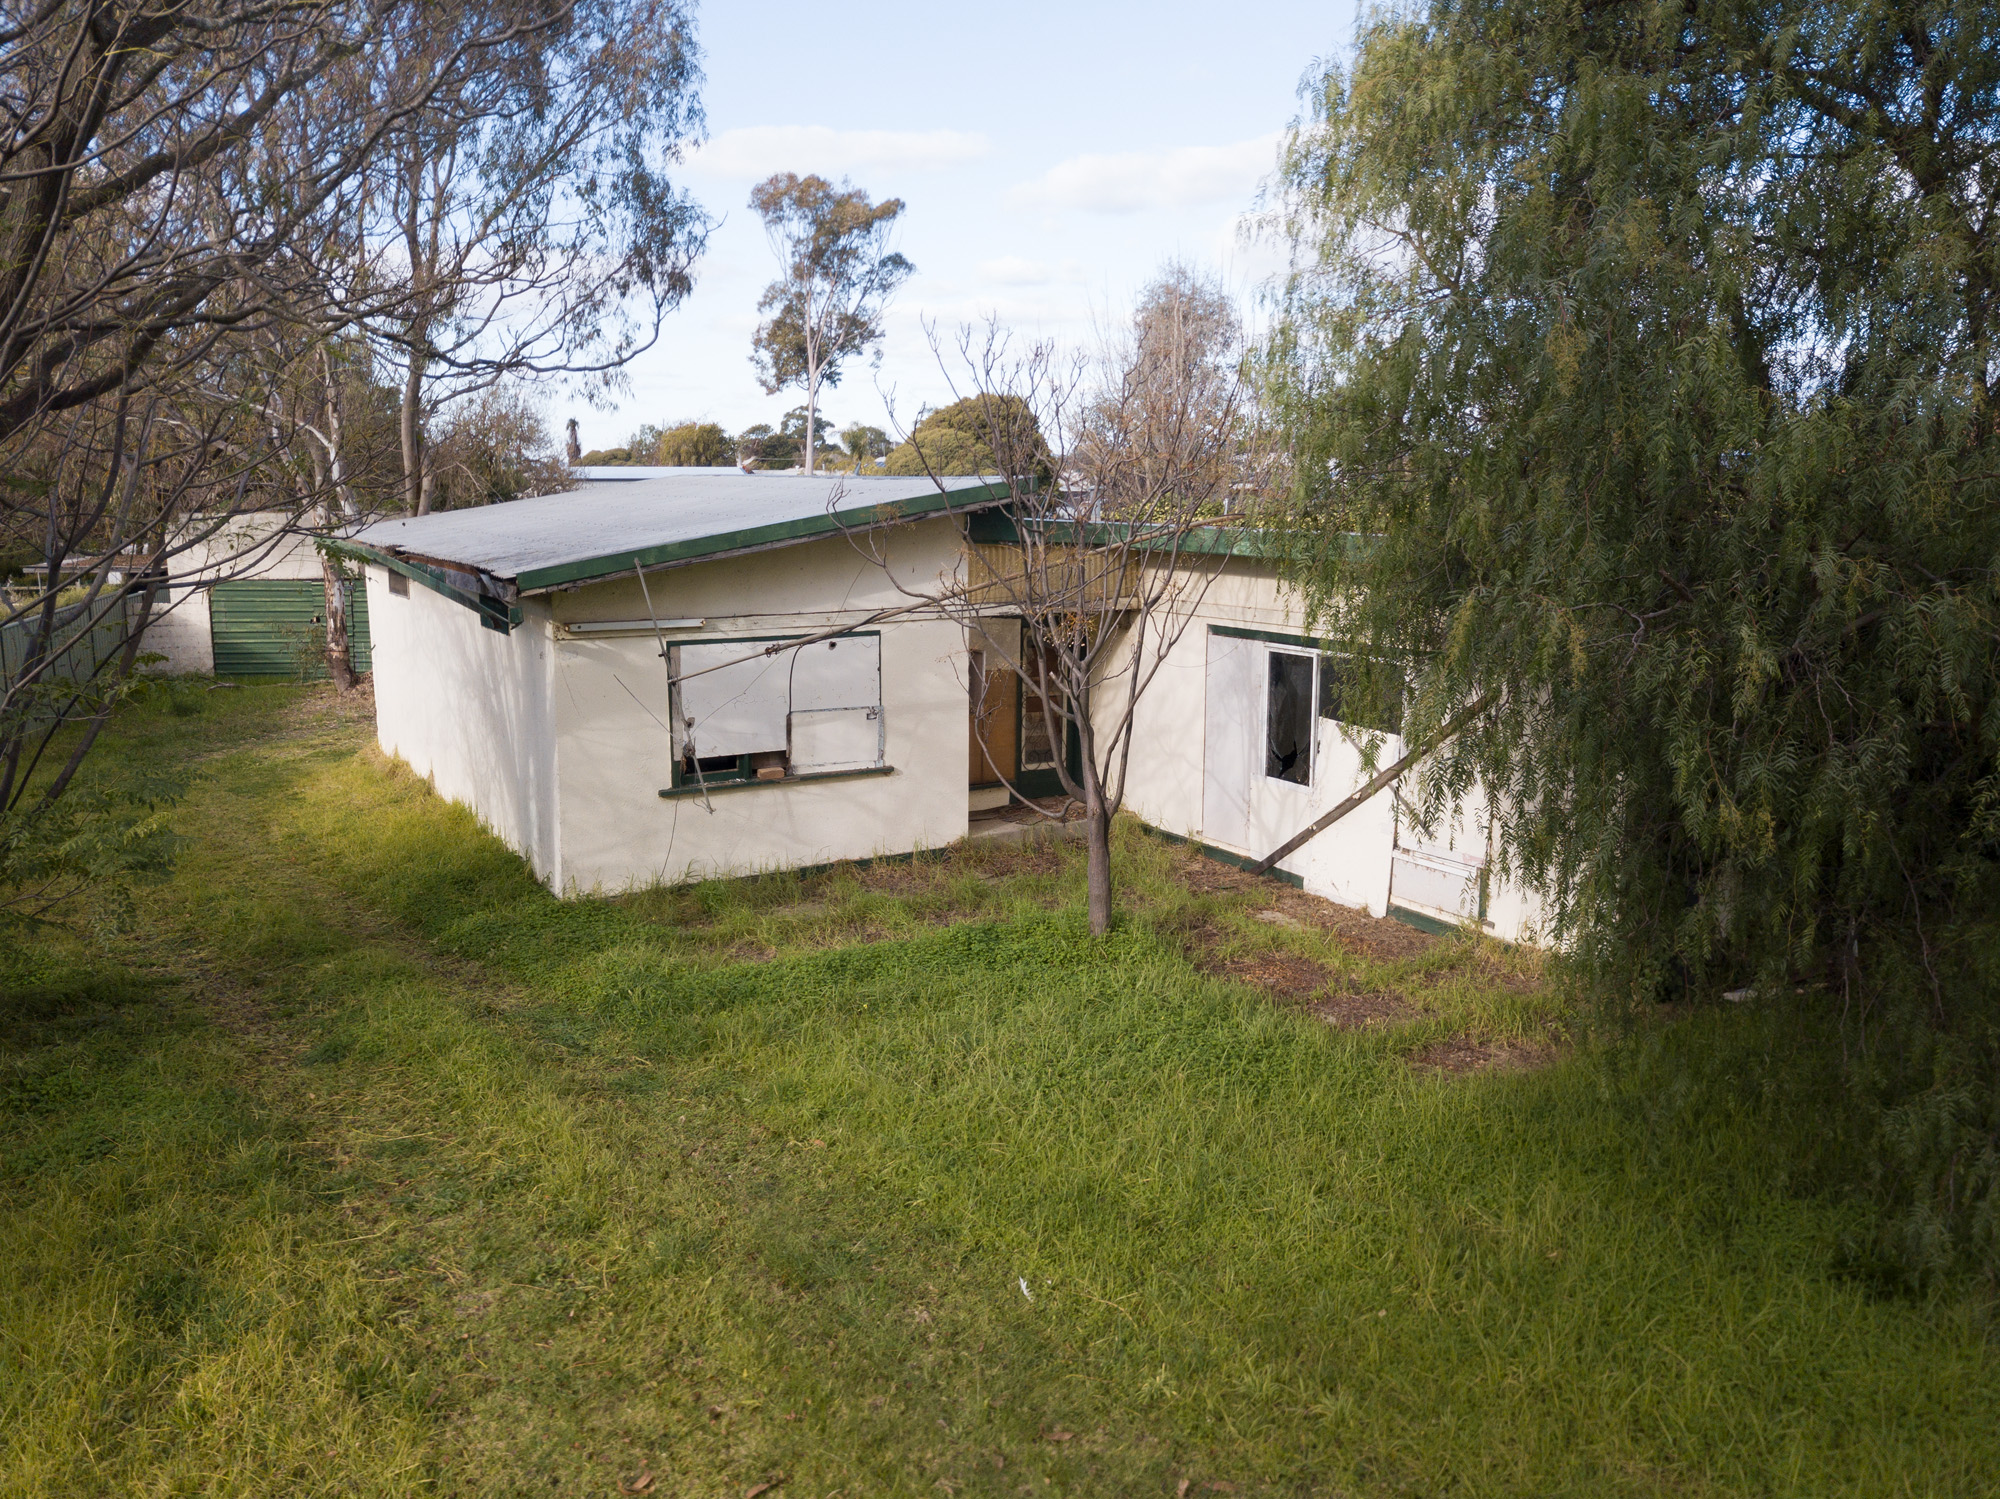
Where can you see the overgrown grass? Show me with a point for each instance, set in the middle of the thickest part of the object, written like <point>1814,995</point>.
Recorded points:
<point>366,1167</point>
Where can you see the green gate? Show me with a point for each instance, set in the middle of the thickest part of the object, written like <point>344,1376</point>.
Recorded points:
<point>276,627</point>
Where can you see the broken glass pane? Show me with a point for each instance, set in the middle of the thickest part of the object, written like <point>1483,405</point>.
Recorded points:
<point>1288,719</point>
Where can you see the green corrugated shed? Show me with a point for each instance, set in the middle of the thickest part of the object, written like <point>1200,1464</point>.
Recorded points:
<point>276,627</point>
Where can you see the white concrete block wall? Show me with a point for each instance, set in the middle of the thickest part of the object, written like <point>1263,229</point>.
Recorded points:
<point>178,628</point>
<point>469,709</point>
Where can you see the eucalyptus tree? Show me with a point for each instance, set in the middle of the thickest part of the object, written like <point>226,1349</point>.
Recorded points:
<point>1653,352</point>
<point>528,216</point>
<point>836,278</point>
<point>183,188</point>
<point>159,166</point>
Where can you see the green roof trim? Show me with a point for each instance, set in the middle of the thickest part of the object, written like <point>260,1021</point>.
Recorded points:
<point>494,613</point>
<point>1000,528</point>
<point>758,538</point>
<point>1275,637</point>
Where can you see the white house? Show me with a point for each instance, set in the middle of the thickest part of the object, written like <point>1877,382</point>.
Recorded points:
<point>522,663</point>
<point>713,673</point>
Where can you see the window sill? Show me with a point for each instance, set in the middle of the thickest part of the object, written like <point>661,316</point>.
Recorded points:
<point>715,788</point>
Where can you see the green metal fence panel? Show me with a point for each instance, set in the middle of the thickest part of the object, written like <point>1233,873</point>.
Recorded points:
<point>276,627</point>
<point>85,636</point>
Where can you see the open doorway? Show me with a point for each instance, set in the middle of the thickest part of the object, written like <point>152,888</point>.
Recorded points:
<point>994,725</point>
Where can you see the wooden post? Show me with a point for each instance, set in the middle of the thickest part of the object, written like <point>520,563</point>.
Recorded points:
<point>1320,825</point>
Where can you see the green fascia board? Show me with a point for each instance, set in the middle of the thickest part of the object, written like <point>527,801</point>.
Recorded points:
<point>758,538</point>
<point>494,614</point>
<point>1275,637</point>
<point>999,528</point>
<point>1432,925</point>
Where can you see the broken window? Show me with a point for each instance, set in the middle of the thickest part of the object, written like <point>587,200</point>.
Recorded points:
<point>1288,718</point>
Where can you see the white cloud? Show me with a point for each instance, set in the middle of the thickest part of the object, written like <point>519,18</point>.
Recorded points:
<point>1131,181</point>
<point>1015,270</point>
<point>759,150</point>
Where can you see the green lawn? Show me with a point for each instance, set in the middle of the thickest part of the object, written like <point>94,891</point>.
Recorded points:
<point>362,1166</point>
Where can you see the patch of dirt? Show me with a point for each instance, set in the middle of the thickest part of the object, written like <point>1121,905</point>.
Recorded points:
<point>1043,810</point>
<point>1459,1055</point>
<point>1286,905</point>
<point>1357,1009</point>
<point>323,706</point>
<point>1282,975</point>
<point>1292,979</point>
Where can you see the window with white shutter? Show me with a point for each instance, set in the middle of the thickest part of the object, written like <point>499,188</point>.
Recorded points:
<point>810,709</point>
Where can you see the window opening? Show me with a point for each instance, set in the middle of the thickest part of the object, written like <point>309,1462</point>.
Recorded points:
<point>813,709</point>
<point>1346,695</point>
<point>1288,719</point>
<point>399,585</point>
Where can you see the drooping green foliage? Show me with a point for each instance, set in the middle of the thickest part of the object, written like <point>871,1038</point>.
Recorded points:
<point>1652,350</point>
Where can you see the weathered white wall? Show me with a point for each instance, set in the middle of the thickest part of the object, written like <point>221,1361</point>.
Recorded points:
<point>470,709</point>
<point>1190,714</point>
<point>178,628</point>
<point>1192,717</point>
<point>610,705</point>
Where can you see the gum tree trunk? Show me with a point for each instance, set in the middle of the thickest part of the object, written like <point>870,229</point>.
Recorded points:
<point>339,657</point>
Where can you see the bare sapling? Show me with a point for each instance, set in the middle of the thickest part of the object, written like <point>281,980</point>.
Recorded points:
<point>1126,474</point>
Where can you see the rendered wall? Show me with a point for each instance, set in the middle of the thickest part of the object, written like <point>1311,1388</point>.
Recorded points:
<point>1193,717</point>
<point>1189,715</point>
<point>610,705</point>
<point>469,709</point>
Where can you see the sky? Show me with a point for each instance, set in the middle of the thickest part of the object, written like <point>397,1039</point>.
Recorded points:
<point>1052,156</point>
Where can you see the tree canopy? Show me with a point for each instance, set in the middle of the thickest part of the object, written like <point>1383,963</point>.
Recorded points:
<point>1651,352</point>
<point>694,445</point>
<point>836,276</point>
<point>959,439</point>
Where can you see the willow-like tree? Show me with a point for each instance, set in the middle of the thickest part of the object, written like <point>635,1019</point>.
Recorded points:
<point>1653,351</point>
<point>836,278</point>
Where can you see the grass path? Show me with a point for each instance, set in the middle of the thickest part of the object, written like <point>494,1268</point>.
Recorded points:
<point>364,1167</point>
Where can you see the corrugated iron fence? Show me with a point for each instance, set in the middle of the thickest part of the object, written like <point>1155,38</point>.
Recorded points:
<point>85,635</point>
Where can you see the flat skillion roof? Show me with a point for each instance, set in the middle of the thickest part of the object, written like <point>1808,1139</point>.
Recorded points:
<point>690,514</point>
